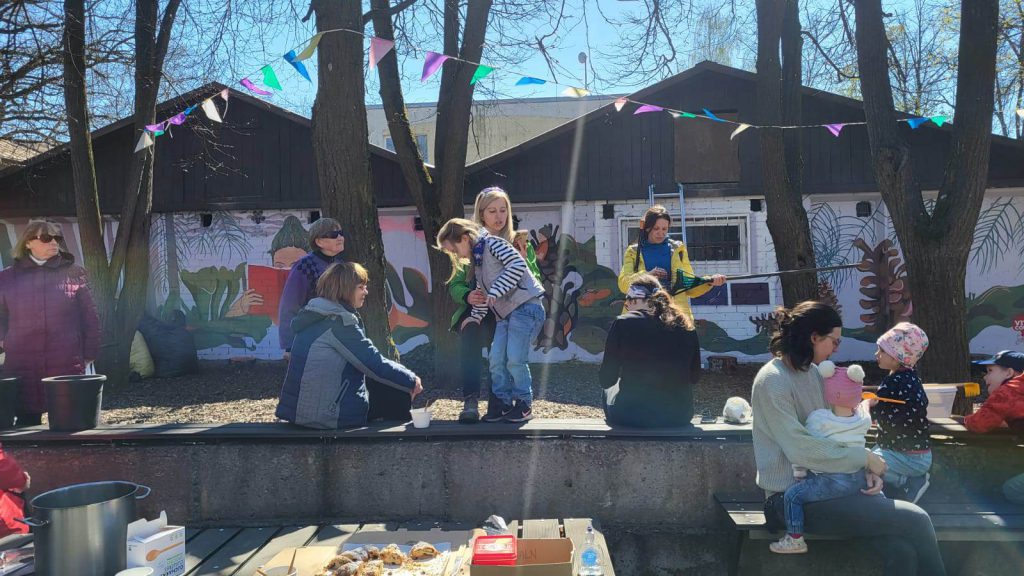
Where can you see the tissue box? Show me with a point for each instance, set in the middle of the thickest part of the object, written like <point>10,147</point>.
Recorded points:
<point>155,544</point>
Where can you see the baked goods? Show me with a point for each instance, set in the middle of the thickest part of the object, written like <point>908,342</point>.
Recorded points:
<point>423,551</point>
<point>371,568</point>
<point>372,552</point>
<point>393,555</point>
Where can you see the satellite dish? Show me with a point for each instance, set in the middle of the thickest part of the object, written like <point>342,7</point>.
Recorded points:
<point>582,57</point>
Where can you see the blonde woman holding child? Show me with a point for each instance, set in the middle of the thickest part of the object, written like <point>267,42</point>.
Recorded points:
<point>513,294</point>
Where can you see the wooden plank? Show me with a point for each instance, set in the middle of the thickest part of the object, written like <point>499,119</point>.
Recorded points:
<point>541,529</point>
<point>236,552</point>
<point>205,544</point>
<point>334,535</point>
<point>514,528</point>
<point>287,537</point>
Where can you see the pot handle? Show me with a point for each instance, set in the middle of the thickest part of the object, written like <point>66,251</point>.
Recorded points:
<point>32,522</point>
<point>145,490</point>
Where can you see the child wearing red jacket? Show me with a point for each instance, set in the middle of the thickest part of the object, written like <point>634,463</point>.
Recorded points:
<point>13,481</point>
<point>1004,375</point>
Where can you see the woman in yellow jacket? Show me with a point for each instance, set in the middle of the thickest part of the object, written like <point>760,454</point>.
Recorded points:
<point>663,257</point>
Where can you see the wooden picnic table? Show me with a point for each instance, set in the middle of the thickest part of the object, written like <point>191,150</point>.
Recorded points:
<point>239,551</point>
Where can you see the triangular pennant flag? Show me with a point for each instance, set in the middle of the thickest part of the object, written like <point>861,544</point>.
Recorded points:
<point>684,115</point>
<point>190,109</point>
<point>432,63</point>
<point>575,92</point>
<point>178,119</point>
<point>647,108</point>
<point>253,88</point>
<point>379,47</point>
<point>939,120</point>
<point>1020,112</point>
<point>738,129</point>
<point>145,141</point>
<point>310,48</point>
<point>156,127</point>
<point>916,122</point>
<point>211,111</point>
<point>224,96</point>
<point>527,80</point>
<point>299,66</point>
<point>481,72</point>
<point>835,129</point>
<point>158,133</point>
<point>270,78</point>
<point>620,102</point>
<point>711,116</point>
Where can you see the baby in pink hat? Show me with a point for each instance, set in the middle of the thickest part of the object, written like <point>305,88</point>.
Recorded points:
<point>847,421</point>
<point>903,425</point>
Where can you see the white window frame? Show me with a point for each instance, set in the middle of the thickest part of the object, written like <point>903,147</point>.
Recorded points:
<point>742,221</point>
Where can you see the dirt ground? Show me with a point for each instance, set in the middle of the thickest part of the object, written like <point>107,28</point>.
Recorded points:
<point>247,392</point>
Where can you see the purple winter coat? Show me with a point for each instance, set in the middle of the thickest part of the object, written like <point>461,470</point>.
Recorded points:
<point>48,324</point>
<point>299,289</point>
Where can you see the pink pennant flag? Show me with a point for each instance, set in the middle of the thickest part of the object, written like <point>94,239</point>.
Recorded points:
<point>835,129</point>
<point>178,119</point>
<point>647,108</point>
<point>224,95</point>
<point>620,103</point>
<point>379,48</point>
<point>253,88</point>
<point>431,64</point>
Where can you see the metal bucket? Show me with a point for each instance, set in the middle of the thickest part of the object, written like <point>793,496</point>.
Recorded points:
<point>83,529</point>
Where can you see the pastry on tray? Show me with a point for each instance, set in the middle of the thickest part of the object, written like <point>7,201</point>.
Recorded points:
<point>372,552</point>
<point>371,568</point>
<point>392,554</point>
<point>423,551</point>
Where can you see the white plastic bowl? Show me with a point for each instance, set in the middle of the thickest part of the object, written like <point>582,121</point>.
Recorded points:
<point>420,417</point>
<point>940,399</point>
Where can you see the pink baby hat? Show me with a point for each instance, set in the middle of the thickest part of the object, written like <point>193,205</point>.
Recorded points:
<point>841,390</point>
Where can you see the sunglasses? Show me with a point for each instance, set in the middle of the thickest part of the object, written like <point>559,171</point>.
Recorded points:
<point>47,238</point>
<point>334,234</point>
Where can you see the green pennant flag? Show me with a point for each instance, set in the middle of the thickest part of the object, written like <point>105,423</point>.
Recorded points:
<point>269,78</point>
<point>481,72</point>
<point>939,120</point>
<point>685,115</point>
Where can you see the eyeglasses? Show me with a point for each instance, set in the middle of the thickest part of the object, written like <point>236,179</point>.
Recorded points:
<point>334,234</point>
<point>47,238</point>
<point>836,341</point>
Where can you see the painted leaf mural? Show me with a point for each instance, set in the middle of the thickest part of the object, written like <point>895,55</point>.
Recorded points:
<point>885,290</point>
<point>408,317</point>
<point>214,290</point>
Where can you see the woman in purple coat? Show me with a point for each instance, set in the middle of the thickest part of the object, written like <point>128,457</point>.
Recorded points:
<point>48,320</point>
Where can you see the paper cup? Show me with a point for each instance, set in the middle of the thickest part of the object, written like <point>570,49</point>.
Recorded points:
<point>420,417</point>
<point>143,571</point>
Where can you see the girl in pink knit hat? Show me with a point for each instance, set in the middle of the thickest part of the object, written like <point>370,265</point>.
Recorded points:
<point>903,427</point>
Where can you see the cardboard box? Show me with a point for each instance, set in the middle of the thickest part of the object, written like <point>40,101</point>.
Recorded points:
<point>537,557</point>
<point>155,544</point>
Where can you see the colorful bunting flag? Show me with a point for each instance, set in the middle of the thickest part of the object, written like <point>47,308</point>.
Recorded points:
<point>619,103</point>
<point>916,122</point>
<point>190,109</point>
<point>711,116</point>
<point>310,48</point>
<point>481,72</point>
<point>835,129</point>
<point>939,120</point>
<point>432,63</point>
<point>211,110</point>
<point>158,133</point>
<point>145,141</point>
<point>253,88</point>
<point>575,92</point>
<point>178,119</point>
<point>527,80</point>
<point>299,66</point>
<point>224,96</point>
<point>156,127</point>
<point>270,78</point>
<point>647,108</point>
<point>738,129</point>
<point>379,48</point>
<point>684,115</point>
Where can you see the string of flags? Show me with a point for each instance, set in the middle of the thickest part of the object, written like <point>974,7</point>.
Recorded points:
<point>433,61</point>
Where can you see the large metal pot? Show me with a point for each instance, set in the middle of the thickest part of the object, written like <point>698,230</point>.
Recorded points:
<point>83,529</point>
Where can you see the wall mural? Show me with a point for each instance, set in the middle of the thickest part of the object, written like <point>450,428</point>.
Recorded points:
<point>226,274</point>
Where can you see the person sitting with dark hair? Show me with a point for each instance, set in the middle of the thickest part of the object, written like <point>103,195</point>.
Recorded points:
<point>327,241</point>
<point>326,386</point>
<point>651,360</point>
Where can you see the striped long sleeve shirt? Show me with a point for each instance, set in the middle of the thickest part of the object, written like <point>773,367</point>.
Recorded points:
<point>514,266</point>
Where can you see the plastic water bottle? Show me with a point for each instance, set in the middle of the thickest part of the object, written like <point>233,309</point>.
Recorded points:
<point>591,560</point>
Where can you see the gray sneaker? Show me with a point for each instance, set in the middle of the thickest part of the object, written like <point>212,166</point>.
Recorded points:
<point>916,487</point>
<point>470,412</point>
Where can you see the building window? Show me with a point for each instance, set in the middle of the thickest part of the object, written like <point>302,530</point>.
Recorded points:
<point>421,143</point>
<point>715,244</point>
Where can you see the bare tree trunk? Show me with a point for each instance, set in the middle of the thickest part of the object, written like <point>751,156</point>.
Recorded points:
<point>341,146</point>
<point>778,95</point>
<point>436,201</point>
<point>936,246</point>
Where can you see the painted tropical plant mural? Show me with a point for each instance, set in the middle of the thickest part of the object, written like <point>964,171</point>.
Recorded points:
<point>886,292</point>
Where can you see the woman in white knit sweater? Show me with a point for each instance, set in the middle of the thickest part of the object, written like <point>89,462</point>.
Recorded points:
<point>785,391</point>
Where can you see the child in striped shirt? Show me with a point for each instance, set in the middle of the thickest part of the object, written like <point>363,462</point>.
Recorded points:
<point>507,288</point>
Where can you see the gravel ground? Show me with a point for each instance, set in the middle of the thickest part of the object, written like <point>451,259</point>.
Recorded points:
<point>247,392</point>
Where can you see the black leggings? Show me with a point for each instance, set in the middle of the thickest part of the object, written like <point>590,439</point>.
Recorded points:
<point>472,340</point>
<point>388,403</point>
<point>28,420</point>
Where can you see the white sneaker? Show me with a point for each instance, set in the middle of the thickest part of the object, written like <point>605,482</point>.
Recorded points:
<point>789,545</point>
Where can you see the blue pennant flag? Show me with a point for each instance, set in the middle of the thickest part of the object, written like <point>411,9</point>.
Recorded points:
<point>711,116</point>
<point>916,122</point>
<point>299,66</point>
<point>527,80</point>
<point>190,109</point>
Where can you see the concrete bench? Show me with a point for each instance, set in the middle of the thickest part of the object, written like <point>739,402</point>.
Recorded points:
<point>954,522</point>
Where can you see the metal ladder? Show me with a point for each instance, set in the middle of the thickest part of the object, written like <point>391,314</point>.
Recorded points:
<point>652,196</point>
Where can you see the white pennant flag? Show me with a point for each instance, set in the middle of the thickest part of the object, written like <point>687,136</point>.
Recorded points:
<point>739,129</point>
<point>211,111</point>
<point>145,141</point>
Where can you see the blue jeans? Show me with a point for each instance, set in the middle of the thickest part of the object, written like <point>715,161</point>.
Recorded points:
<point>903,465</point>
<point>1013,489</point>
<point>815,488</point>
<point>510,374</point>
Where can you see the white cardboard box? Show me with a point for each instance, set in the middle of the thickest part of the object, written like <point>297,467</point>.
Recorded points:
<point>154,544</point>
